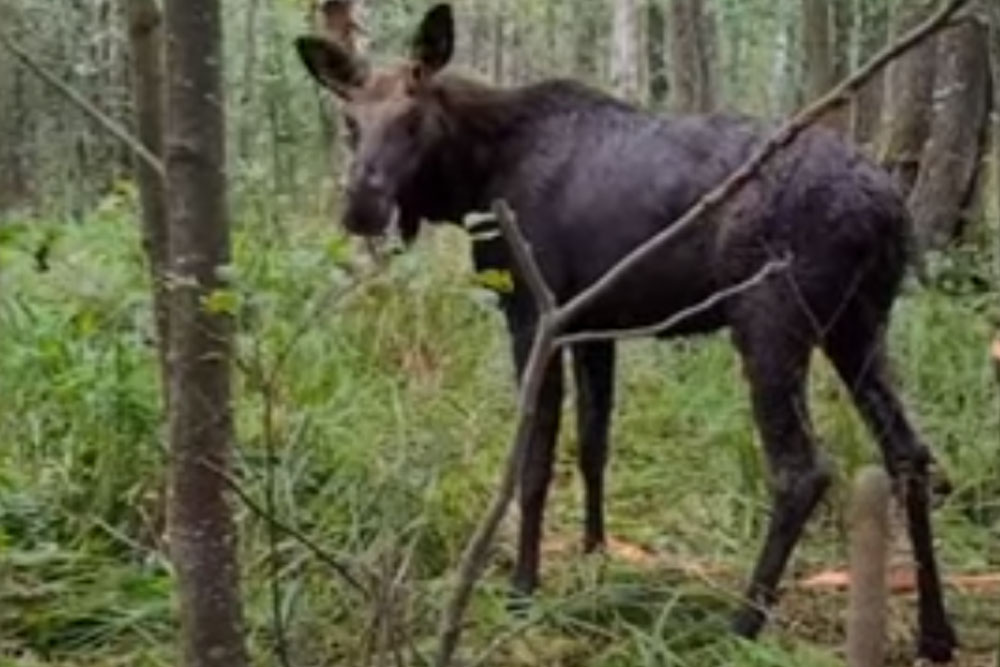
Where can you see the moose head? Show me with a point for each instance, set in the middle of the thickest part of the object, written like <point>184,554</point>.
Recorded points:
<point>394,126</point>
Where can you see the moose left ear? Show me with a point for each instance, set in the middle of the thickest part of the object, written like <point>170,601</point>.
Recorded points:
<point>435,40</point>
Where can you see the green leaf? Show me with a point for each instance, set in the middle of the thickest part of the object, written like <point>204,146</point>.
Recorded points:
<point>498,280</point>
<point>221,301</point>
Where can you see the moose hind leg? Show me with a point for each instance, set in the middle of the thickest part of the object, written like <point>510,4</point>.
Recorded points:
<point>776,361</point>
<point>594,368</point>
<point>856,347</point>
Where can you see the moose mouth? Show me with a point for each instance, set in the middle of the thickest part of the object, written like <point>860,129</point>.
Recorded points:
<point>371,216</point>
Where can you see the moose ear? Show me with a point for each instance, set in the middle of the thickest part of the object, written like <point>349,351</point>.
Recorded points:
<point>330,64</point>
<point>435,40</point>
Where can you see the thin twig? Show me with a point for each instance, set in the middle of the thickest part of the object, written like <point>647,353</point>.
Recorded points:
<point>101,118</point>
<point>335,563</point>
<point>680,316</point>
<point>840,94</point>
<point>524,258</point>
<point>476,552</point>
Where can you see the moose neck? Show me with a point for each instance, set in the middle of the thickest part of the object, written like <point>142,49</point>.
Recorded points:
<point>487,132</point>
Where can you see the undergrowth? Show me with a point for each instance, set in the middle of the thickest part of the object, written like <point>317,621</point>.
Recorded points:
<point>390,415</point>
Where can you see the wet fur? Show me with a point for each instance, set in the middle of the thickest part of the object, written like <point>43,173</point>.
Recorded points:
<point>591,178</point>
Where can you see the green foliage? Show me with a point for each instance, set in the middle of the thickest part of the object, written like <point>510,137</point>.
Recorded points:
<point>390,415</point>
<point>376,414</point>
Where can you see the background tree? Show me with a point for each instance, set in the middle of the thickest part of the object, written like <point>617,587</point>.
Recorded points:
<point>145,29</point>
<point>691,56</point>
<point>908,106</point>
<point>952,156</point>
<point>866,107</point>
<point>656,53</point>
<point>203,537</point>
<point>624,68</point>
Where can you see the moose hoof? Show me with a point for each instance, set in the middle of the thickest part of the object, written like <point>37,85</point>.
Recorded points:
<point>938,647</point>
<point>748,623</point>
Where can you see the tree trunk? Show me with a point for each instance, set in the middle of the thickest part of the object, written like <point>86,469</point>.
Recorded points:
<point>691,50</point>
<point>202,532</point>
<point>908,105</point>
<point>656,54</point>
<point>624,69</point>
<point>952,156</point>
<point>585,53</point>
<point>995,66</point>
<point>866,107</point>
<point>816,47</point>
<point>825,58</point>
<point>499,23</point>
<point>842,14</point>
<point>146,50</point>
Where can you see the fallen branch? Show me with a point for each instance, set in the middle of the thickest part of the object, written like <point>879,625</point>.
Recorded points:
<point>553,319</point>
<point>111,126</point>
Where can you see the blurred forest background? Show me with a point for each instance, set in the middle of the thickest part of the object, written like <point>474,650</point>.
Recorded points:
<point>372,417</point>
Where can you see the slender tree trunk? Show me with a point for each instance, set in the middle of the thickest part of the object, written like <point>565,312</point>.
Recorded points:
<point>202,531</point>
<point>842,14</point>
<point>952,156</point>
<point>248,126</point>
<point>817,47</point>
<point>586,63</point>
<point>624,70</point>
<point>499,42</point>
<point>656,53</point>
<point>146,49</point>
<point>691,52</point>
<point>826,57</point>
<point>866,107</point>
<point>908,108</point>
<point>995,66</point>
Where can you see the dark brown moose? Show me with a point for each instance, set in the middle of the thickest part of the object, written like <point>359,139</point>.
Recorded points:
<point>591,178</point>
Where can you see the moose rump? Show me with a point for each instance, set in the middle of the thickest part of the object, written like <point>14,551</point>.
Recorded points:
<point>590,179</point>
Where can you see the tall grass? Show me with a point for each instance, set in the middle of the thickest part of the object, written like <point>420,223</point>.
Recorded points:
<point>390,418</point>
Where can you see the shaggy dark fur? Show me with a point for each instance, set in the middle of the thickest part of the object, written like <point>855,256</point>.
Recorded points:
<point>591,178</point>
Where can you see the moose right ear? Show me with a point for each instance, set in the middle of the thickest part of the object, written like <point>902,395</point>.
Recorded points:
<point>330,64</point>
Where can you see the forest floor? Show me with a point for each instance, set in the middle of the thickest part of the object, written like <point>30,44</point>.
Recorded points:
<point>391,417</point>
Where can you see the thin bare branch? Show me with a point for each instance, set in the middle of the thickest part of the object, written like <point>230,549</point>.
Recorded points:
<point>336,564</point>
<point>524,258</point>
<point>711,201</point>
<point>680,316</point>
<point>111,126</point>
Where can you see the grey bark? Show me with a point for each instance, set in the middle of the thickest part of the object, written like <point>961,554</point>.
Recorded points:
<point>656,53</point>
<point>866,107</point>
<point>951,159</point>
<point>908,112</point>
<point>624,63</point>
<point>691,49</point>
<point>145,31</point>
<point>202,532</point>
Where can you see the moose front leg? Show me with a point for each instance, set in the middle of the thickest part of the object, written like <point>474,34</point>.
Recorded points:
<point>536,468</point>
<point>594,370</point>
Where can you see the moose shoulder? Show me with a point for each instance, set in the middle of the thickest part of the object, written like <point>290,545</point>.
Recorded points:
<point>591,178</point>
